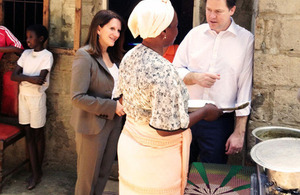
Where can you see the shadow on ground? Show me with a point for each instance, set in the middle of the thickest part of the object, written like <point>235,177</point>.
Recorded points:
<point>54,182</point>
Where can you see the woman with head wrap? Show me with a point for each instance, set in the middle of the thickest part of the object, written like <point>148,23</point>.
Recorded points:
<point>153,148</point>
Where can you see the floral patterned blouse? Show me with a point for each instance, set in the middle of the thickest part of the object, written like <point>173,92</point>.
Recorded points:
<point>152,90</point>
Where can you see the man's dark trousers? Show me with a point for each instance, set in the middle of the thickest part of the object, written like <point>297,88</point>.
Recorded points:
<point>209,139</point>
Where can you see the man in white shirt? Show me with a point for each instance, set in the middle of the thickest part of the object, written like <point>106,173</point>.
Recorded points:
<point>215,61</point>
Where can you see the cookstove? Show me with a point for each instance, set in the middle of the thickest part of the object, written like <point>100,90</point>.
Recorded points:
<point>278,159</point>
<point>261,186</point>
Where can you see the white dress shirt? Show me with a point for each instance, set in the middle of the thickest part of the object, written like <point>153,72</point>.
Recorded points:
<point>229,53</point>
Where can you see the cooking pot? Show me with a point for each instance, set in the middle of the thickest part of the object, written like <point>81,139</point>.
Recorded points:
<point>271,132</point>
<point>280,158</point>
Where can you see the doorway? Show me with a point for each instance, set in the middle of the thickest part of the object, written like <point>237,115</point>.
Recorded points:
<point>183,8</point>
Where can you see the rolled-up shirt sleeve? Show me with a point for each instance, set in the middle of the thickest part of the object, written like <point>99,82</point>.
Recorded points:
<point>245,80</point>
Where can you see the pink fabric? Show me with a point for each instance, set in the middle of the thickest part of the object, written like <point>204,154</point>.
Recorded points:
<point>150,163</point>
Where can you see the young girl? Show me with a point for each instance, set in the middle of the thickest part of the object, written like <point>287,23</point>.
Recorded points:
<point>32,72</point>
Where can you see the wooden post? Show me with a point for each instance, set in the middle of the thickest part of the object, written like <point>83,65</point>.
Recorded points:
<point>77,25</point>
<point>1,12</point>
<point>46,17</point>
<point>196,13</point>
<point>104,4</point>
<point>46,13</point>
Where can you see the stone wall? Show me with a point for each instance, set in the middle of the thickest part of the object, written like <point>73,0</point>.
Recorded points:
<point>62,14</point>
<point>60,137</point>
<point>276,65</point>
<point>62,18</point>
<point>89,9</point>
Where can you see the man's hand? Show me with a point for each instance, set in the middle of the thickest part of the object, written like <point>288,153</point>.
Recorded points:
<point>206,80</point>
<point>235,142</point>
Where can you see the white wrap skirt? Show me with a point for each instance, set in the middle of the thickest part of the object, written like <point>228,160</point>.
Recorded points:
<point>150,163</point>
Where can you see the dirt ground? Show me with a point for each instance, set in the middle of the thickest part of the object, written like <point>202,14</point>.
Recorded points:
<point>58,182</point>
<point>54,182</point>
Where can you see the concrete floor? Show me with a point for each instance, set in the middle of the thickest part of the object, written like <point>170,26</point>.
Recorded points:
<point>53,183</point>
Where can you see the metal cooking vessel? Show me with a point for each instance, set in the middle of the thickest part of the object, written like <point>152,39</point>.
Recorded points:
<point>285,180</point>
<point>281,159</point>
<point>271,132</point>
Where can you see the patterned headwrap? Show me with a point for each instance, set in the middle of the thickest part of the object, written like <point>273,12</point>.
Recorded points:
<point>150,17</point>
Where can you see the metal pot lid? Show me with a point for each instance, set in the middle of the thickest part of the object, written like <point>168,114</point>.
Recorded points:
<point>280,154</point>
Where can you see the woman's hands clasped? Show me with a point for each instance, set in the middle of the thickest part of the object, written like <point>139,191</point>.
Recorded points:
<point>119,109</point>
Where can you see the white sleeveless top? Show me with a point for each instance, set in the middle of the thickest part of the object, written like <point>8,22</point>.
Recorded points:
<point>114,71</point>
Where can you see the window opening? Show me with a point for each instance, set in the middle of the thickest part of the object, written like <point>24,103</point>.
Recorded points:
<point>19,14</point>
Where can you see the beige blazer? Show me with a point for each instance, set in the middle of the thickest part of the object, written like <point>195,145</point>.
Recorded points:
<point>91,91</point>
